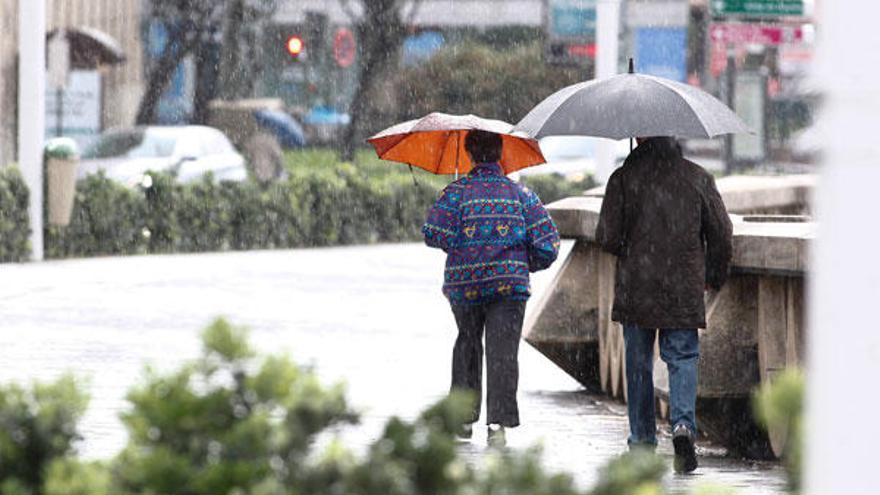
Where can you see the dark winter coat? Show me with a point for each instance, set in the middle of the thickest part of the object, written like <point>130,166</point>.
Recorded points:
<point>664,219</point>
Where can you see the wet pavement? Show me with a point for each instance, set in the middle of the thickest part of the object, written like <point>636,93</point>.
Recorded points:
<point>372,317</point>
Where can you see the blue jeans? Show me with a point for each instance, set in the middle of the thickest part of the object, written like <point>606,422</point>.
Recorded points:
<point>680,350</point>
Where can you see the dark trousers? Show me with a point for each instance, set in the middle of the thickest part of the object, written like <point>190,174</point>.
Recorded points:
<point>502,322</point>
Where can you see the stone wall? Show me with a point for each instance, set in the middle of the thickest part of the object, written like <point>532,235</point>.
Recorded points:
<point>755,323</point>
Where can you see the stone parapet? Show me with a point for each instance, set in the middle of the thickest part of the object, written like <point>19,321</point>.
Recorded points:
<point>755,324</point>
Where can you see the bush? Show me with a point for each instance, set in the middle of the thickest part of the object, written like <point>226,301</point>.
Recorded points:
<point>14,219</point>
<point>313,207</point>
<point>225,422</point>
<point>62,148</point>
<point>230,423</point>
<point>37,427</point>
<point>553,187</point>
<point>107,219</point>
<point>780,404</point>
<point>475,78</point>
<point>321,203</point>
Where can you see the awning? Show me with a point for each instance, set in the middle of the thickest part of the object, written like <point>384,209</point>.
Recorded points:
<point>90,47</point>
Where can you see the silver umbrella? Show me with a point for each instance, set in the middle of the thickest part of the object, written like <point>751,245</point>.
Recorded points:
<point>631,105</point>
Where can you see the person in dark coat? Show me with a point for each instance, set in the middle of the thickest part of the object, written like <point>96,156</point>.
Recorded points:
<point>494,232</point>
<point>663,218</point>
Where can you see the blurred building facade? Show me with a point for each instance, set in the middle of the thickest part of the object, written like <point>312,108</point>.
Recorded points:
<point>121,85</point>
<point>476,13</point>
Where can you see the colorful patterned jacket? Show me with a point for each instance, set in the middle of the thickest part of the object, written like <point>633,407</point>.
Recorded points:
<point>494,232</point>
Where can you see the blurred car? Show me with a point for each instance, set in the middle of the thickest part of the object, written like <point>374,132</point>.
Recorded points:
<point>573,155</point>
<point>188,152</point>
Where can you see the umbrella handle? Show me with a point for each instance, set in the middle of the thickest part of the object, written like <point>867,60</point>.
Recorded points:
<point>457,144</point>
<point>415,182</point>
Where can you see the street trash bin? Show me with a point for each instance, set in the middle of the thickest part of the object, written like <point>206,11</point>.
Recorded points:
<point>62,159</point>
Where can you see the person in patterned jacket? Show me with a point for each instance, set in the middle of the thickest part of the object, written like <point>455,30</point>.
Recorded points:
<point>494,232</point>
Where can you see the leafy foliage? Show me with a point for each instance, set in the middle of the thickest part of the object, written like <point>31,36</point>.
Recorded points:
<point>554,187</point>
<point>225,422</point>
<point>233,423</point>
<point>475,78</point>
<point>636,472</point>
<point>107,219</point>
<point>38,427</point>
<point>780,405</point>
<point>14,219</point>
<point>322,202</point>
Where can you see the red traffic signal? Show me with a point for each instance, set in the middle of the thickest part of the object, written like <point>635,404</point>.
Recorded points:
<point>295,46</point>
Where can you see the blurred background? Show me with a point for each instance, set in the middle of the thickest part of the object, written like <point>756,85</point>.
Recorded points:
<point>328,73</point>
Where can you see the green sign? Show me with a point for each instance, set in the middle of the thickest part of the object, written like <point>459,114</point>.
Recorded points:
<point>758,8</point>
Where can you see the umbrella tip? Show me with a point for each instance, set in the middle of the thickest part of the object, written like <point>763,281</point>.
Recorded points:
<point>632,69</point>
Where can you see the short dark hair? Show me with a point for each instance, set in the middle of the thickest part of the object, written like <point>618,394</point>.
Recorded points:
<point>483,146</point>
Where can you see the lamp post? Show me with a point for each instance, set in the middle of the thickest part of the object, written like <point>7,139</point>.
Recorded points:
<point>607,41</point>
<point>32,110</point>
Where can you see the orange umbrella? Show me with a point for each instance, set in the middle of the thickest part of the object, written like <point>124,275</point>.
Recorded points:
<point>436,143</point>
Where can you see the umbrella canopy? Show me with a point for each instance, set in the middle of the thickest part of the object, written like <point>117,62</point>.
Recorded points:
<point>436,143</point>
<point>631,105</point>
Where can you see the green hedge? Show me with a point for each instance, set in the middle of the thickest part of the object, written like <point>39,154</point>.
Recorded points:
<point>321,203</point>
<point>553,187</point>
<point>303,211</point>
<point>476,78</point>
<point>14,221</point>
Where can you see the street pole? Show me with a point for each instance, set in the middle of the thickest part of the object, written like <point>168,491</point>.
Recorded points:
<point>59,111</point>
<point>730,97</point>
<point>607,36</point>
<point>32,111</point>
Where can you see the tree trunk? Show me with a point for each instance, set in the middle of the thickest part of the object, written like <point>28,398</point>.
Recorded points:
<point>206,81</point>
<point>161,74</point>
<point>380,33</point>
<point>232,72</point>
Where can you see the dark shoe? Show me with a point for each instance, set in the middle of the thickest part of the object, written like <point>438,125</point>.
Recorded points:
<point>495,437</point>
<point>685,452</point>
<point>465,431</point>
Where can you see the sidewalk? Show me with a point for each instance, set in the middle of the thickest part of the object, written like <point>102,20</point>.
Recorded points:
<point>371,316</point>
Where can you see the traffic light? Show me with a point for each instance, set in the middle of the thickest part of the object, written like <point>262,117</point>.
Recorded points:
<point>295,47</point>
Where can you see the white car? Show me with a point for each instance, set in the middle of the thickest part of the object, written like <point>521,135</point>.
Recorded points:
<point>572,155</point>
<point>189,152</point>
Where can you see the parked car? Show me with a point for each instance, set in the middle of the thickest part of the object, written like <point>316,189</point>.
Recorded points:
<point>573,155</point>
<point>189,152</point>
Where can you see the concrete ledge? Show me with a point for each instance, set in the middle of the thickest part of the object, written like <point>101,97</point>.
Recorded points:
<point>757,193</point>
<point>778,248</point>
<point>767,246</point>
<point>576,217</point>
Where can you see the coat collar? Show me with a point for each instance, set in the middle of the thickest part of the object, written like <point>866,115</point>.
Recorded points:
<point>489,168</point>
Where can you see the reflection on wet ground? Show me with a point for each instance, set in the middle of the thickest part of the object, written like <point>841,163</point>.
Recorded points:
<point>372,317</point>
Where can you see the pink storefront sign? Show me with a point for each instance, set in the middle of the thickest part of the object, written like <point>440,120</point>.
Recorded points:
<point>762,34</point>
<point>736,36</point>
